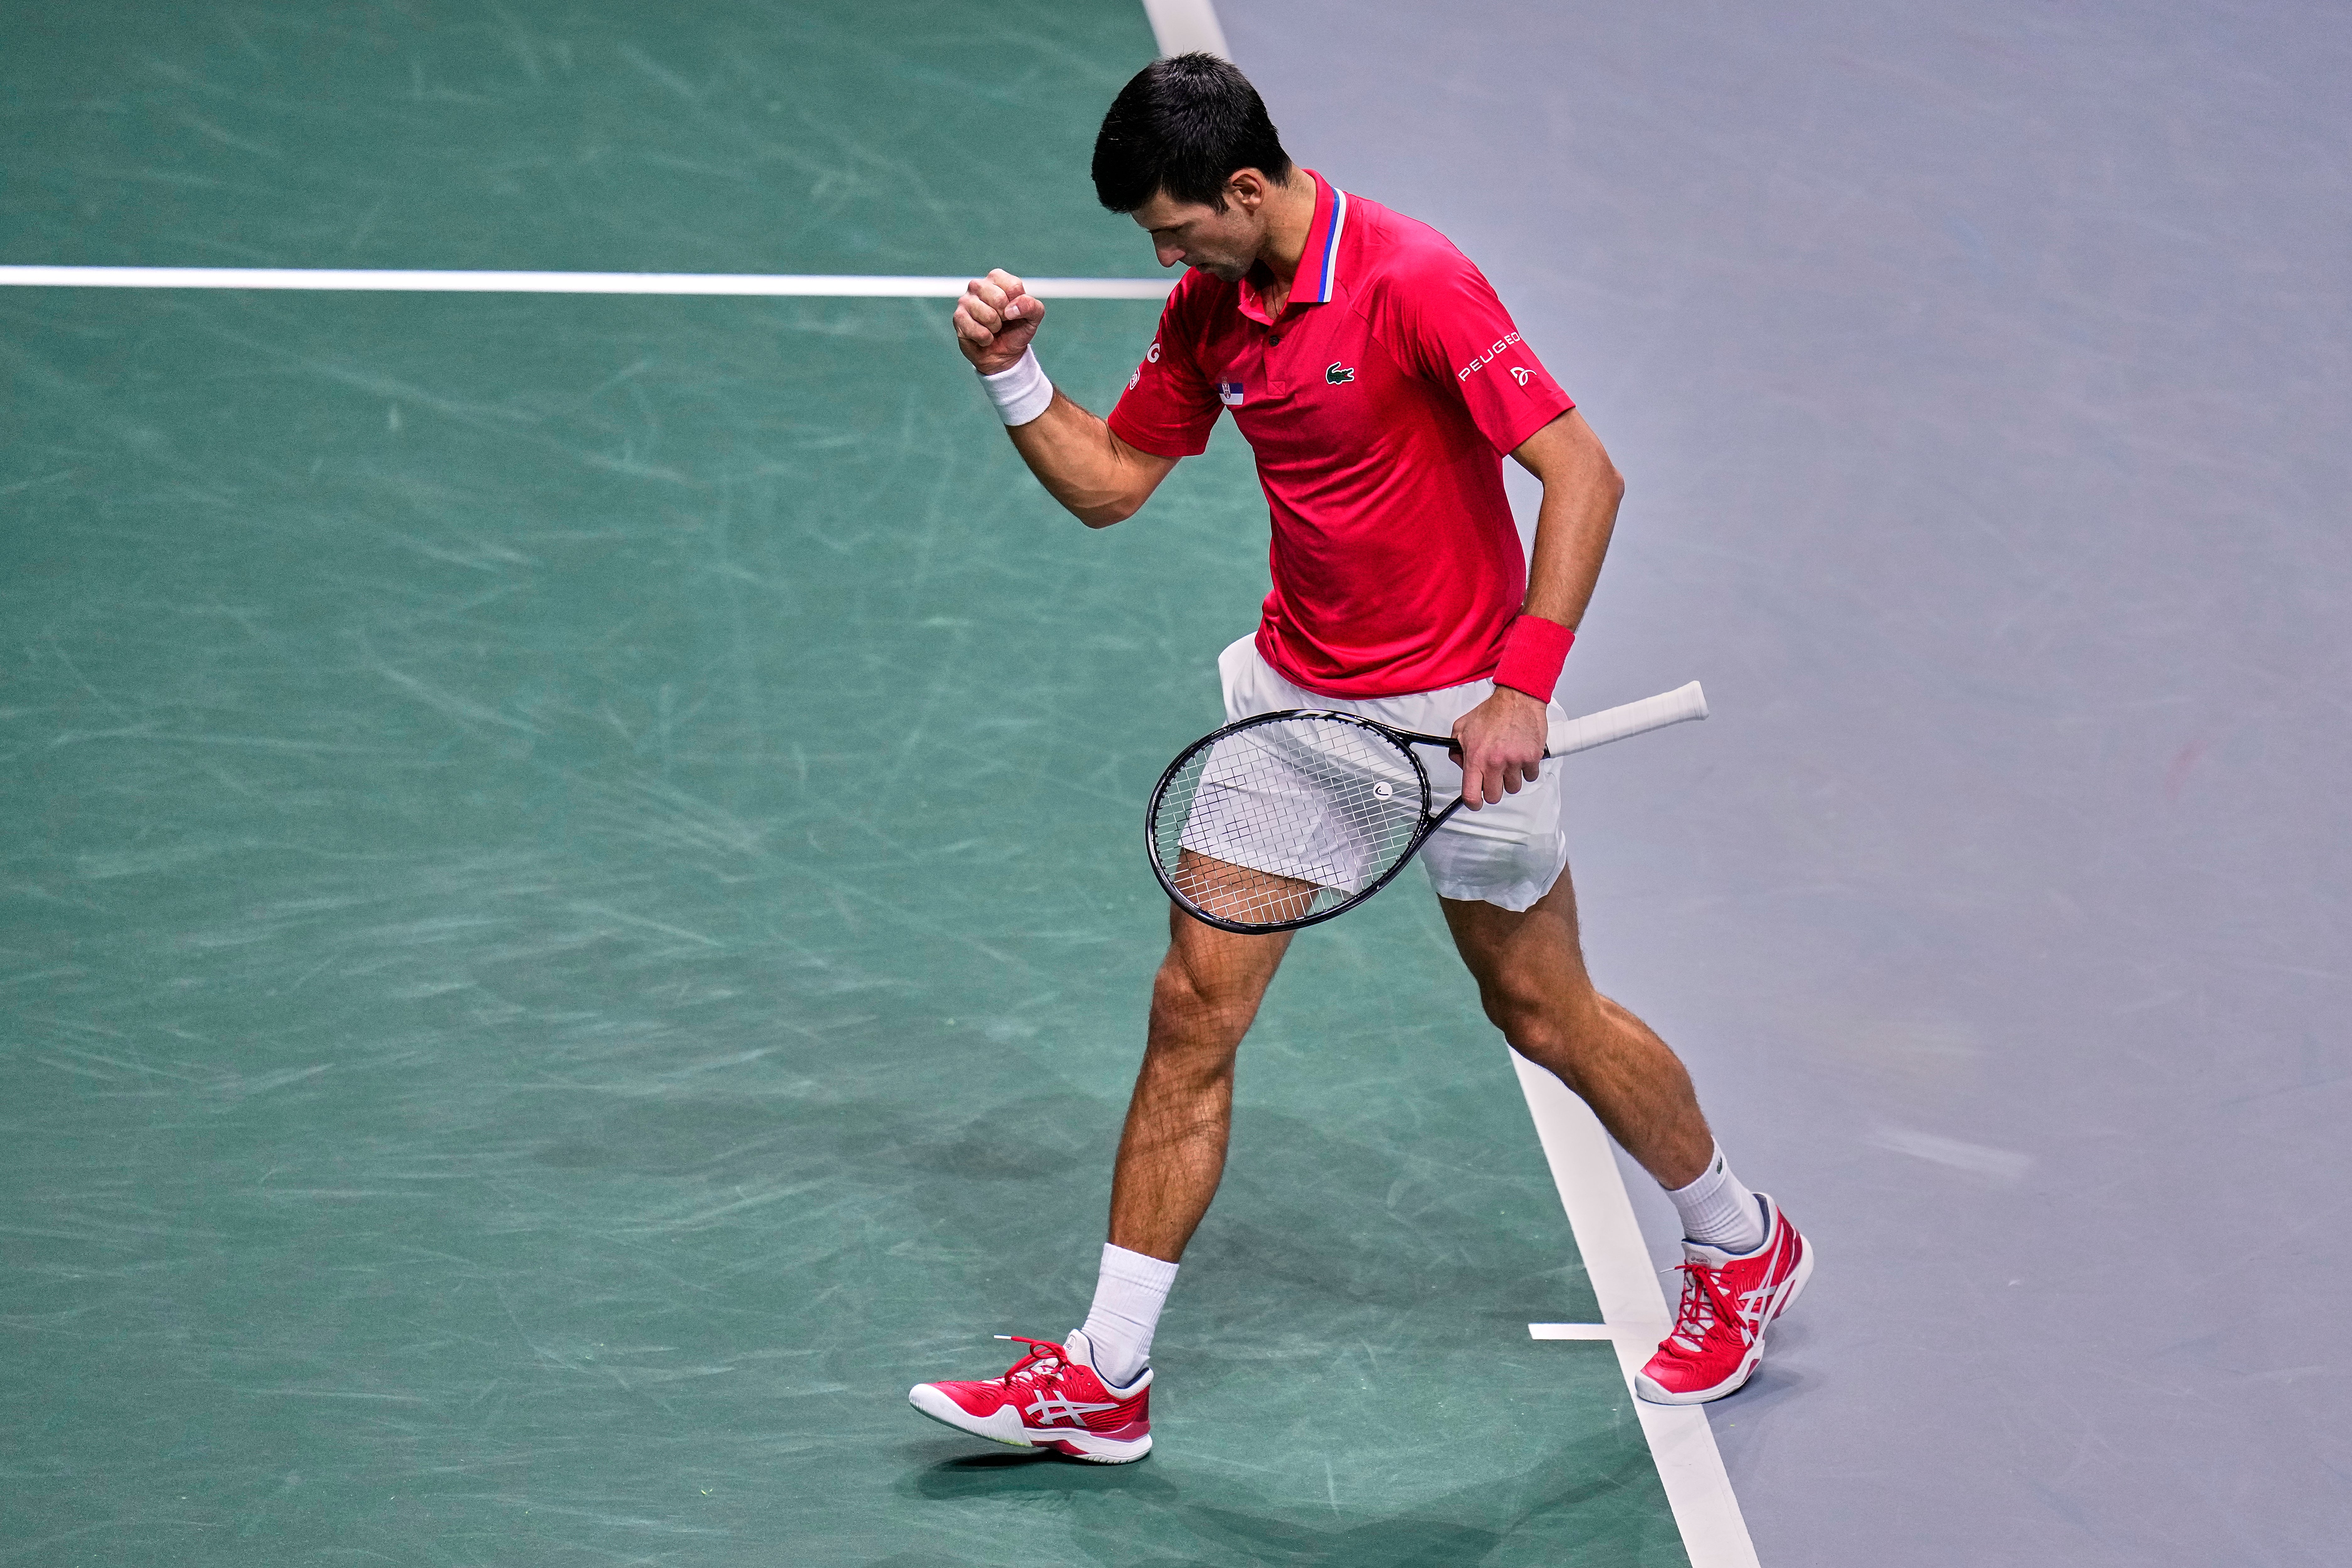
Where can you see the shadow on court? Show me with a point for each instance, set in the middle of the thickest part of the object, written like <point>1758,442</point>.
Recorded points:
<point>1195,1517</point>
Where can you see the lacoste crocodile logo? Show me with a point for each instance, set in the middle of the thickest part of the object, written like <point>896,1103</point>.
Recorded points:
<point>1338,374</point>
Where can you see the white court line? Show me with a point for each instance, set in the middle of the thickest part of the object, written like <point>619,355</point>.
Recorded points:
<point>1180,26</point>
<point>787,284</point>
<point>1587,1331</point>
<point>1633,1317</point>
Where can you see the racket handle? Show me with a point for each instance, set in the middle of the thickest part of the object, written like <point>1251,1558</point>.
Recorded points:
<point>1629,719</point>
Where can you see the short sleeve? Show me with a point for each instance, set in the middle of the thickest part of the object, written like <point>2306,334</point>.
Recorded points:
<point>1168,406</point>
<point>1448,326</point>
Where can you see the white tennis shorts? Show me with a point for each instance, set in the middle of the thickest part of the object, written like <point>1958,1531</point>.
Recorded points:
<point>1507,854</point>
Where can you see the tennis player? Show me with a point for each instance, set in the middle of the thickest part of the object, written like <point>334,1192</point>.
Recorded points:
<point>1381,382</point>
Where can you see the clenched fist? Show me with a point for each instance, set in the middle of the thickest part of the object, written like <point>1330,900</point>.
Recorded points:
<point>995,320</point>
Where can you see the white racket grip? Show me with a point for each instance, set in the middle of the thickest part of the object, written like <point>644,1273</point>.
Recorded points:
<point>1629,719</point>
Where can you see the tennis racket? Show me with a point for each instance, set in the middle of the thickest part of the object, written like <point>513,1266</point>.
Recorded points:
<point>1285,819</point>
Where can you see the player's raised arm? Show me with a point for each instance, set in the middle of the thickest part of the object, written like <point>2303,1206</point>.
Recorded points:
<point>1082,464</point>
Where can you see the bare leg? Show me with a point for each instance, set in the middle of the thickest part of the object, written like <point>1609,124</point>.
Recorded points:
<point>1172,1152</point>
<point>1531,977</point>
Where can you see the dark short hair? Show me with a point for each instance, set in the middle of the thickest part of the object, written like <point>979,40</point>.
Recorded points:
<point>1183,125</point>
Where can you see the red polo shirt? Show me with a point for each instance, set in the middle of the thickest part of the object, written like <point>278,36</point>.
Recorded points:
<point>1381,405</point>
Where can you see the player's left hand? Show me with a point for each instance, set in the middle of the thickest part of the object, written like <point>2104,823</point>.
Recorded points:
<point>1501,745</point>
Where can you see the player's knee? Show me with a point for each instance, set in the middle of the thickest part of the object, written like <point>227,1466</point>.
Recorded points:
<point>1543,1022</point>
<point>1514,1004</point>
<point>1195,1000</point>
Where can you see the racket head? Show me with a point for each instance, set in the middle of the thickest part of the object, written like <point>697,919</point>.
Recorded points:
<point>1285,820</point>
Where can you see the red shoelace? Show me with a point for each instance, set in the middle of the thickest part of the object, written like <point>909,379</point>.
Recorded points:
<point>1043,1359</point>
<point>1704,1305</point>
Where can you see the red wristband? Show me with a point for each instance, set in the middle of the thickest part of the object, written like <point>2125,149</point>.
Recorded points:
<point>1533,651</point>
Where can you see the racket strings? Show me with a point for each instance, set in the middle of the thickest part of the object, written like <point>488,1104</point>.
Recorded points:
<point>1288,819</point>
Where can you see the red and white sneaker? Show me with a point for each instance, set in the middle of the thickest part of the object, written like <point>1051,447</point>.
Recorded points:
<point>1729,1300</point>
<point>1052,1398</point>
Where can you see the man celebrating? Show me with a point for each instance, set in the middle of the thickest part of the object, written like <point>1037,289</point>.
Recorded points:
<point>1381,382</point>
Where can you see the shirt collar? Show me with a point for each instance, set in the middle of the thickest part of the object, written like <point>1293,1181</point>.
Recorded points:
<point>1318,263</point>
<point>1318,266</point>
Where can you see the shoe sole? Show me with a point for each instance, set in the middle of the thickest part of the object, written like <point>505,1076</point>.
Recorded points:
<point>1656,1394</point>
<point>1007,1427</point>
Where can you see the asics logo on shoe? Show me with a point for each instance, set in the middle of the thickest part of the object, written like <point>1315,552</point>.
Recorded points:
<point>1051,1407</point>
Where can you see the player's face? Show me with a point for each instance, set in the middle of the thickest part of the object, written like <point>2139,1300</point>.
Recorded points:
<point>1224,243</point>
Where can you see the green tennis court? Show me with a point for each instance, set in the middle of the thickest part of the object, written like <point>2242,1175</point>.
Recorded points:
<point>575,913</point>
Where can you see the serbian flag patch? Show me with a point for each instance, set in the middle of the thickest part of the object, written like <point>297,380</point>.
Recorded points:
<point>1229,393</point>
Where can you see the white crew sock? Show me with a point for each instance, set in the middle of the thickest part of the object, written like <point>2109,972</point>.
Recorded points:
<point>1128,1298</point>
<point>1717,1210</point>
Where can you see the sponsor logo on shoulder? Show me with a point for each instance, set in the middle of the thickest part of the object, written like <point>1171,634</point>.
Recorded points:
<point>1522,374</point>
<point>1483,359</point>
<point>1338,374</point>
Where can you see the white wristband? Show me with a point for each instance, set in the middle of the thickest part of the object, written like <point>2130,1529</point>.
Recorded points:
<point>1022,393</point>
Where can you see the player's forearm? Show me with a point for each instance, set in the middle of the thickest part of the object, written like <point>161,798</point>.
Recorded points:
<point>1581,489</point>
<point>1099,478</point>
<point>1094,474</point>
<point>1571,540</point>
